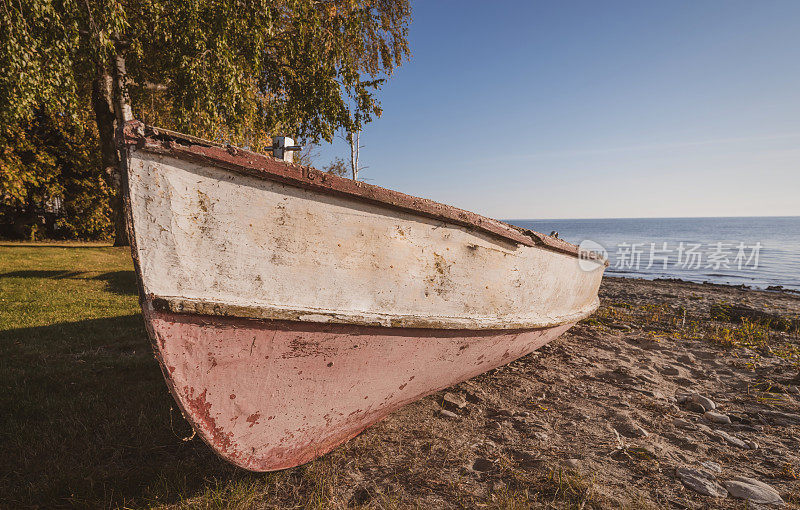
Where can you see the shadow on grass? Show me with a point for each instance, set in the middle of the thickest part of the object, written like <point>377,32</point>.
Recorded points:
<point>76,246</point>
<point>118,282</point>
<point>88,421</point>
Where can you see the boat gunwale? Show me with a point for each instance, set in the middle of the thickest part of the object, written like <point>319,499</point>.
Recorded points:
<point>138,136</point>
<point>208,308</point>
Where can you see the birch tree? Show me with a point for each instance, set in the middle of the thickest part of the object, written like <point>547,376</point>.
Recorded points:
<point>233,70</point>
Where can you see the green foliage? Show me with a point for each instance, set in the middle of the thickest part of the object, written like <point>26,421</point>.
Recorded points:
<point>50,180</point>
<point>232,69</point>
<point>338,167</point>
<point>237,71</point>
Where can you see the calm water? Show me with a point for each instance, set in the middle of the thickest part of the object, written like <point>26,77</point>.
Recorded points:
<point>758,252</point>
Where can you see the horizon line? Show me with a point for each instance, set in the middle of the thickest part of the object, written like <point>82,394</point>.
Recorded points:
<point>651,218</point>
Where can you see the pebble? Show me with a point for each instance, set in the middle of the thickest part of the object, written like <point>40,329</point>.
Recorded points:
<point>452,400</point>
<point>717,417</point>
<point>705,429</point>
<point>706,403</point>
<point>785,418</point>
<point>753,490</point>
<point>504,412</point>
<point>747,428</point>
<point>671,371</point>
<point>541,436</point>
<point>447,414</point>
<point>751,444</point>
<point>701,481</point>
<point>684,424</point>
<point>695,407</point>
<point>625,425</point>
<point>794,390</point>
<point>711,466</point>
<point>572,463</point>
<point>735,441</point>
<point>686,358</point>
<point>629,429</point>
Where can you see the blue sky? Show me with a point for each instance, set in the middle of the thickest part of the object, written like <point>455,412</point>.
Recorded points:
<point>587,109</point>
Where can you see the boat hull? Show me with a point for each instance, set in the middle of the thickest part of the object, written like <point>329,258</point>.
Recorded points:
<point>291,308</point>
<point>271,394</point>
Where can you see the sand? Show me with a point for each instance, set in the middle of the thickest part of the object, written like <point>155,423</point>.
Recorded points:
<point>608,415</point>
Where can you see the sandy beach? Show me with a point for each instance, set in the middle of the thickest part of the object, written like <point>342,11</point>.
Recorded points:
<point>612,414</point>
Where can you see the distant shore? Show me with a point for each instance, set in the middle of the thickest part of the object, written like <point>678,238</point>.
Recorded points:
<point>741,286</point>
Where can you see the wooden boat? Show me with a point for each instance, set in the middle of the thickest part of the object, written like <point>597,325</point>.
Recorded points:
<point>290,308</point>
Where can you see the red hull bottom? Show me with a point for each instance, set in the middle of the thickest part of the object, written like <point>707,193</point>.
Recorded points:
<point>270,395</point>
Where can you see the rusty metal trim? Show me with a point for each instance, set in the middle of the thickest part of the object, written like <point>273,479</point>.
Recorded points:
<point>191,306</point>
<point>137,136</point>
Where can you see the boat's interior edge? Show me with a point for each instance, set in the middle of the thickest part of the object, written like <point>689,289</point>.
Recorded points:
<point>234,161</point>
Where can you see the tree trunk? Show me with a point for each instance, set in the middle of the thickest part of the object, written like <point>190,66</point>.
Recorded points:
<point>112,109</point>
<point>103,105</point>
<point>355,138</point>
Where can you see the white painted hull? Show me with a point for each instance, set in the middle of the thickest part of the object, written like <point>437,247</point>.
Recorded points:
<point>206,236</point>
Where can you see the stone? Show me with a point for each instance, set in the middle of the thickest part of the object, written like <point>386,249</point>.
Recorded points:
<point>541,436</point>
<point>783,418</point>
<point>753,490</point>
<point>701,481</point>
<point>705,429</point>
<point>631,430</point>
<point>711,466</point>
<point>683,424</point>
<point>715,417</point>
<point>572,463</point>
<point>444,413</point>
<point>504,412</point>
<point>670,371</point>
<point>751,444</point>
<point>706,403</point>
<point>625,425</point>
<point>732,440</point>
<point>454,401</point>
<point>686,358</point>
<point>695,407</point>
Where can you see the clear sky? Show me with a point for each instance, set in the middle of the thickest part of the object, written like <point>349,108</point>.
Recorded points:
<point>593,109</point>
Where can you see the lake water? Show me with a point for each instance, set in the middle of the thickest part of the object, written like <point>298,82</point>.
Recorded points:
<point>758,251</point>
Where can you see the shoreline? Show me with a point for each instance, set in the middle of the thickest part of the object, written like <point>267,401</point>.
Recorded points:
<point>741,286</point>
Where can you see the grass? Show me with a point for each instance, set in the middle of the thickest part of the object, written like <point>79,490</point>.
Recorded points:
<point>87,420</point>
<point>774,335</point>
